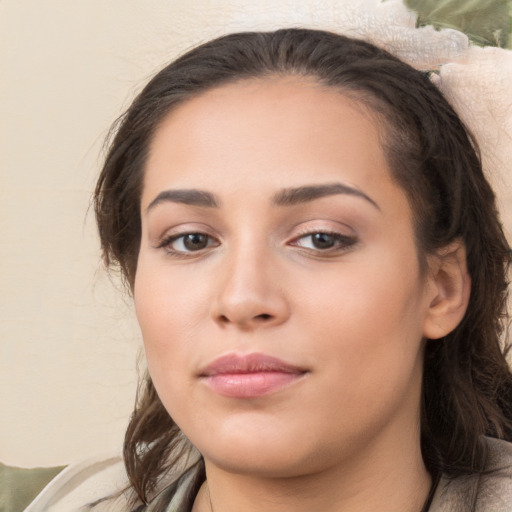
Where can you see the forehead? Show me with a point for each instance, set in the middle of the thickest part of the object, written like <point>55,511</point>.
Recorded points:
<point>266,134</point>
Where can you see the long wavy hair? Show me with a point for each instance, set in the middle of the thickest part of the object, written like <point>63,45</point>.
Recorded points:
<point>467,383</point>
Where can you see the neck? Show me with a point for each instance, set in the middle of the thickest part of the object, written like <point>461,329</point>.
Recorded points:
<point>392,482</point>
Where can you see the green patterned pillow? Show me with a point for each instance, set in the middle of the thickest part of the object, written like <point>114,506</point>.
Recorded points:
<point>486,22</point>
<point>19,486</point>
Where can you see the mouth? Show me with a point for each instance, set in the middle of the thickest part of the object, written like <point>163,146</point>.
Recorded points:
<point>249,376</point>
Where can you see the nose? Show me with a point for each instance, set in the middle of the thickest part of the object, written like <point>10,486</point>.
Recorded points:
<point>251,294</point>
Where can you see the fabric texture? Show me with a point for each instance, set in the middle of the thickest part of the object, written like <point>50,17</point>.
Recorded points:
<point>85,486</point>
<point>19,486</point>
<point>485,22</point>
<point>490,491</point>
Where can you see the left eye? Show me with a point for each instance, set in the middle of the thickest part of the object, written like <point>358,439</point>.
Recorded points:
<point>324,241</point>
<point>189,242</point>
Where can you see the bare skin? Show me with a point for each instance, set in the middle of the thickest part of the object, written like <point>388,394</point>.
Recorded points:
<point>295,243</point>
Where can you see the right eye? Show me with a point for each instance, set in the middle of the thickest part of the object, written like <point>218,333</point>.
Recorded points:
<point>187,243</point>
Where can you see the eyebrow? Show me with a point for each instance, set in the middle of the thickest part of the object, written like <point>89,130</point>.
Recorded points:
<point>191,197</point>
<point>294,196</point>
<point>286,197</point>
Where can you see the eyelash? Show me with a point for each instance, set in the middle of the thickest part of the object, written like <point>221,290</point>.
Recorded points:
<point>340,243</point>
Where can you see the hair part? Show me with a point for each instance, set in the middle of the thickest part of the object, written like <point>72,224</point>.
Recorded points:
<point>467,384</point>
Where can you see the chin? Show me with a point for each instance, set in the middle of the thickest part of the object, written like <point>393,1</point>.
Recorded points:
<point>262,462</point>
<point>265,453</point>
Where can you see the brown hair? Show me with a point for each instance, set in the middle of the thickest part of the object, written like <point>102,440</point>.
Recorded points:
<point>467,385</point>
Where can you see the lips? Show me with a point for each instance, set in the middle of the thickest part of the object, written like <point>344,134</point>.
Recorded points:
<point>249,376</point>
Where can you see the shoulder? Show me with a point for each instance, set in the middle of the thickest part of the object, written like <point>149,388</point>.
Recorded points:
<point>488,491</point>
<point>180,494</point>
<point>99,485</point>
<point>495,487</point>
<point>84,486</point>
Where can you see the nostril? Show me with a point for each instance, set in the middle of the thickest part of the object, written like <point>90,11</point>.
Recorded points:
<point>263,316</point>
<point>245,321</point>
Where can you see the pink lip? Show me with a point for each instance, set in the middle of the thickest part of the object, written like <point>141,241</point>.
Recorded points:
<point>249,376</point>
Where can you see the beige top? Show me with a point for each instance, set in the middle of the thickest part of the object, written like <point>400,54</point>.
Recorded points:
<point>490,491</point>
<point>86,483</point>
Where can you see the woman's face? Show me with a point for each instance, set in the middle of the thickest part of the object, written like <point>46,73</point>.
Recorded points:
<point>278,288</point>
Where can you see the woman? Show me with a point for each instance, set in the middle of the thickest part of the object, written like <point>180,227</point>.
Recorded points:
<point>319,274</point>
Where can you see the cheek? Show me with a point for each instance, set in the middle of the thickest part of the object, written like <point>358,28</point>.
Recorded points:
<point>158,306</point>
<point>167,301</point>
<point>369,317</point>
<point>171,308</point>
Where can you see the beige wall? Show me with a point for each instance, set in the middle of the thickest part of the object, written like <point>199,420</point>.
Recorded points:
<point>68,344</point>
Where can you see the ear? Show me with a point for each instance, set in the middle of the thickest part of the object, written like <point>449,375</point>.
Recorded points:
<point>448,290</point>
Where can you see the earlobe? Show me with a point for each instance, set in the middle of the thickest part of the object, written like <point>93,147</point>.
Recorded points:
<point>448,291</point>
